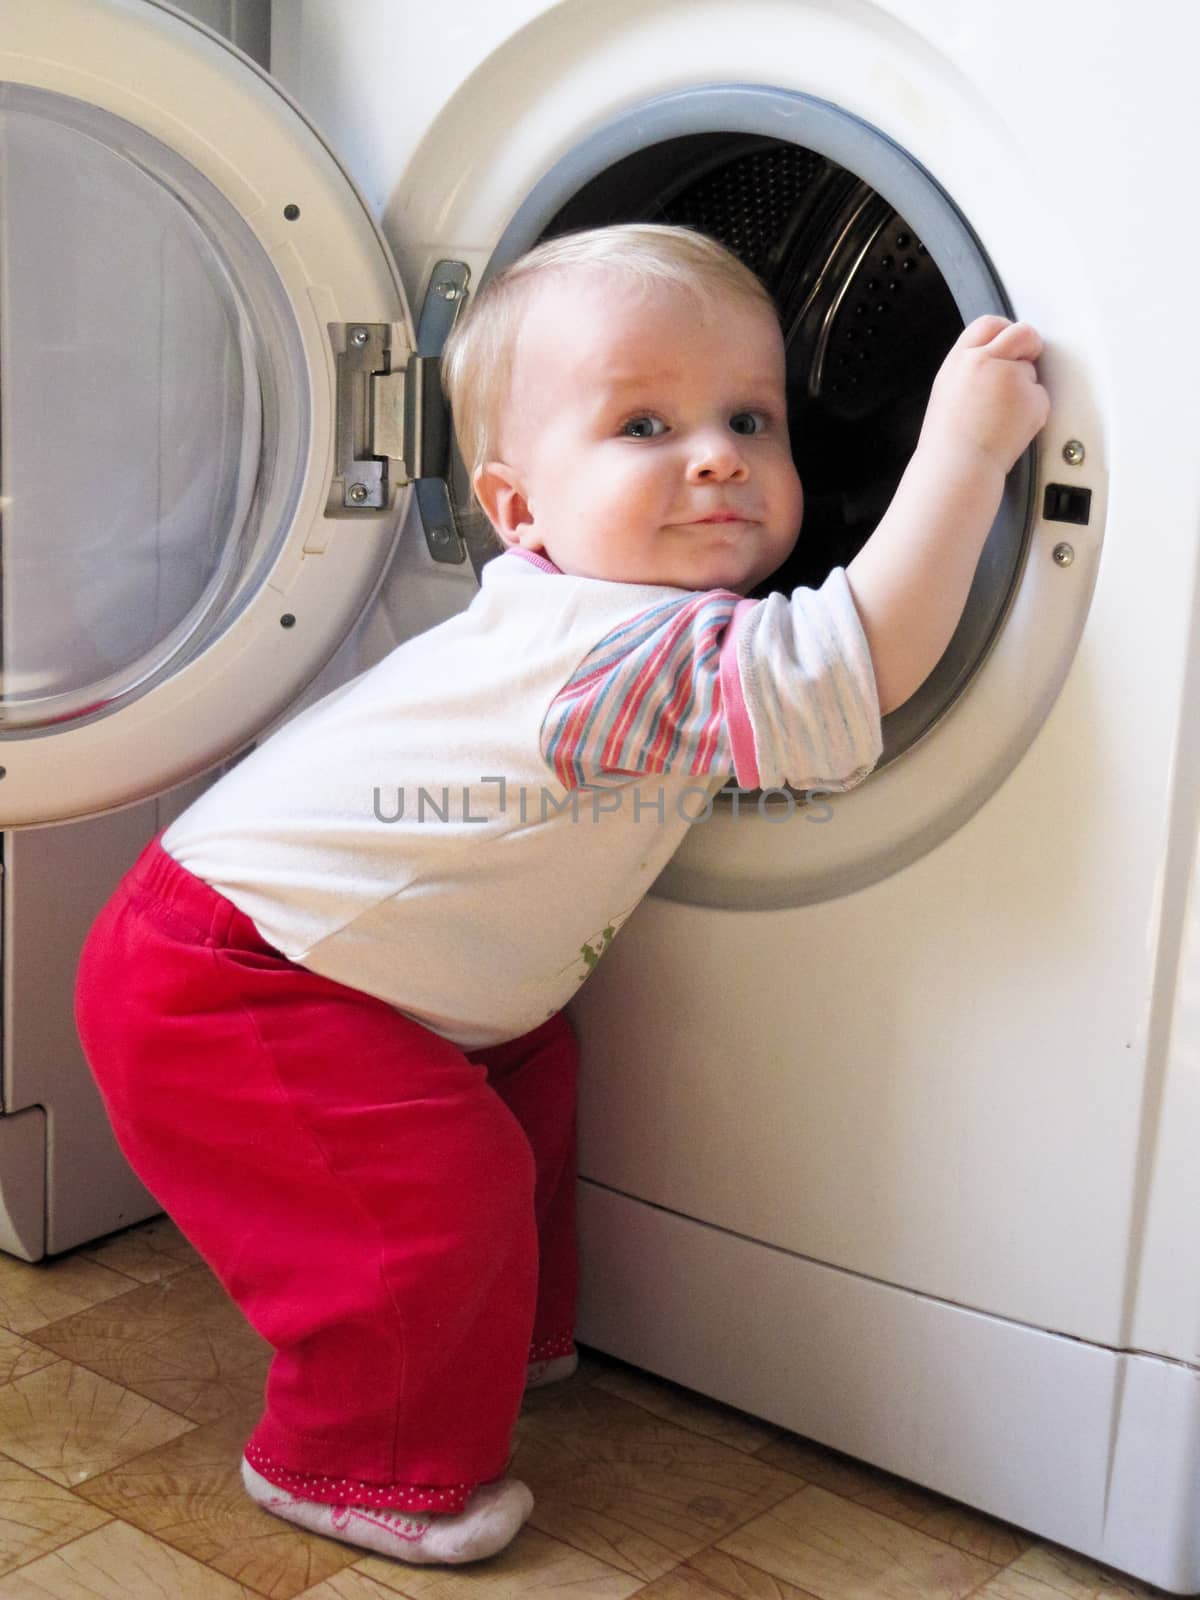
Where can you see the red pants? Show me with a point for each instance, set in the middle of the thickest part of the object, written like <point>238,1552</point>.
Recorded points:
<point>394,1216</point>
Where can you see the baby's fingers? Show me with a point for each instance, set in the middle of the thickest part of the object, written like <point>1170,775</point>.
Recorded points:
<point>1010,341</point>
<point>981,331</point>
<point>1017,341</point>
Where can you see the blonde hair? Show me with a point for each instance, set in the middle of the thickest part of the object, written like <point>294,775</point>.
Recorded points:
<point>477,362</point>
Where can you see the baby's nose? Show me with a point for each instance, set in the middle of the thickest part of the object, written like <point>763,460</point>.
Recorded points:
<point>715,458</point>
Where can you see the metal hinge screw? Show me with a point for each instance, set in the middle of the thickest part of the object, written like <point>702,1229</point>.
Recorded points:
<point>1064,554</point>
<point>359,337</point>
<point>1073,452</point>
<point>359,492</point>
<point>448,291</point>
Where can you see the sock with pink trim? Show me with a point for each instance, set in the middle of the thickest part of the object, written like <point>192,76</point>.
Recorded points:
<point>540,1373</point>
<point>489,1521</point>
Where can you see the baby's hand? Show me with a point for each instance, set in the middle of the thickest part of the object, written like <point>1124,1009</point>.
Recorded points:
<point>986,396</point>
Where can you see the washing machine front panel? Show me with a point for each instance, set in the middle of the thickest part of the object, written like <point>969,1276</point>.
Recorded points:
<point>974,1077</point>
<point>180,260</point>
<point>950,1074</point>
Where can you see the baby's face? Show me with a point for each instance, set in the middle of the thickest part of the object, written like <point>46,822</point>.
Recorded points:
<point>646,439</point>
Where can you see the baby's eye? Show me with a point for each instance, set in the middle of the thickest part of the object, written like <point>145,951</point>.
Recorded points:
<point>747,422</point>
<point>643,428</point>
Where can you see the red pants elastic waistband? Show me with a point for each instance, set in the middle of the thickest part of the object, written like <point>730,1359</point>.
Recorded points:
<point>159,876</point>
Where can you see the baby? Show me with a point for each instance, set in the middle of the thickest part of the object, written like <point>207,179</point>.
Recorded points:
<point>325,1008</point>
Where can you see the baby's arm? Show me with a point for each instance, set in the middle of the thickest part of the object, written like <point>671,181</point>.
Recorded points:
<point>910,579</point>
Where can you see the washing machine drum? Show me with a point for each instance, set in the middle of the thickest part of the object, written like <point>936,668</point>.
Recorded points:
<point>867,319</point>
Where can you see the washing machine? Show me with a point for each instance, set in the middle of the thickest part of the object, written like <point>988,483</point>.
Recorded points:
<point>889,1104</point>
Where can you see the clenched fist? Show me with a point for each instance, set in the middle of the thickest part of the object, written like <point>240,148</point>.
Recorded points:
<point>986,396</point>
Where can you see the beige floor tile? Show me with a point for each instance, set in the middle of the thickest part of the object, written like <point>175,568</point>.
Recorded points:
<point>120,1563</point>
<point>839,1551</point>
<point>959,1525</point>
<point>532,1565</point>
<point>631,1490</point>
<point>713,1575</point>
<point>189,1494</point>
<point>1048,1572</point>
<point>687,1409</point>
<point>33,1294</point>
<point>19,1356</point>
<point>151,1251</point>
<point>36,1516</point>
<point>349,1585</point>
<point>643,1488</point>
<point>71,1424</point>
<point>180,1342</point>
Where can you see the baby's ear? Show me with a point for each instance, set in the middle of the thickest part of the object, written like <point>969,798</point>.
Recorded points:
<point>498,490</point>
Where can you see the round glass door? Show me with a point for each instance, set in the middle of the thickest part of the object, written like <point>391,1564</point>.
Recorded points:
<point>151,443</point>
<point>181,261</point>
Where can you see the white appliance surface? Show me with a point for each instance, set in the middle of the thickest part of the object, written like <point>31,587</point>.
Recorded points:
<point>961,1094</point>
<point>889,1113</point>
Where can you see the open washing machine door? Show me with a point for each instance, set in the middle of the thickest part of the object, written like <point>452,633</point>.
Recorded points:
<point>206,372</point>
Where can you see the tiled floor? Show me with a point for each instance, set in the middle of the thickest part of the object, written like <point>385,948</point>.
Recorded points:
<point>128,1385</point>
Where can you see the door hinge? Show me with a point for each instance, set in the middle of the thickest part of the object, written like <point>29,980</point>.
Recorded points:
<point>393,425</point>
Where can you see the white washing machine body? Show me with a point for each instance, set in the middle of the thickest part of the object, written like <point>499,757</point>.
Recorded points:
<point>890,1107</point>
<point>889,1104</point>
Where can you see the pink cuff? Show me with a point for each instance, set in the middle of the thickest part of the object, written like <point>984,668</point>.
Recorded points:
<point>737,717</point>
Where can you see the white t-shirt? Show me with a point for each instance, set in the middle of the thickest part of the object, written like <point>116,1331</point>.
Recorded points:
<point>461,830</point>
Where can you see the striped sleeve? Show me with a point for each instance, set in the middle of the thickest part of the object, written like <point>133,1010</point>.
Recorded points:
<point>800,691</point>
<point>647,698</point>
